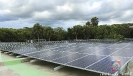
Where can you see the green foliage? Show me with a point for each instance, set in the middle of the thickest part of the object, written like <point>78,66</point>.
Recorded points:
<point>94,21</point>
<point>119,37</point>
<point>88,23</point>
<point>88,31</point>
<point>59,33</point>
<point>48,31</point>
<point>69,34</point>
<point>37,30</point>
<point>77,31</point>
<point>7,35</point>
<point>115,31</point>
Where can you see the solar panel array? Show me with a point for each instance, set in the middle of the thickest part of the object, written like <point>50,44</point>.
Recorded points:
<point>96,57</point>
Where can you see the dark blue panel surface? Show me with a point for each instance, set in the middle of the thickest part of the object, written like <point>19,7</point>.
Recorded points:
<point>25,50</point>
<point>66,48</point>
<point>85,61</point>
<point>126,52</point>
<point>104,45</point>
<point>106,64</point>
<point>86,49</point>
<point>77,49</point>
<point>42,54</point>
<point>69,58</point>
<point>55,56</point>
<point>91,50</point>
<point>72,48</point>
<point>118,45</point>
<point>106,51</point>
<point>59,47</point>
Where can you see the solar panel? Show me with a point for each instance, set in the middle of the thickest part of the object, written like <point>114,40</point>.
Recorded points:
<point>88,51</point>
<point>106,64</point>
<point>125,52</point>
<point>57,55</point>
<point>85,61</point>
<point>69,58</point>
<point>42,54</point>
<point>97,57</point>
<point>106,51</point>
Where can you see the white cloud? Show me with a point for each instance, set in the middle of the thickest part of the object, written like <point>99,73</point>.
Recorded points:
<point>42,15</point>
<point>80,22</point>
<point>64,8</point>
<point>58,13</point>
<point>127,14</point>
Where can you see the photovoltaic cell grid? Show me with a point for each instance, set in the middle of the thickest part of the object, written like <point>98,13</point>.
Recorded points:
<point>95,57</point>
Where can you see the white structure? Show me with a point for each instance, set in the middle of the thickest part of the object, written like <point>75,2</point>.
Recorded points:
<point>130,26</point>
<point>0,57</point>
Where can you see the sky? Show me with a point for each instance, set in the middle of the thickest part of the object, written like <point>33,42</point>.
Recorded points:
<point>63,13</point>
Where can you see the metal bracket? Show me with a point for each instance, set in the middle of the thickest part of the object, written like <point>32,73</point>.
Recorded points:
<point>34,60</point>
<point>125,71</point>
<point>58,67</point>
<point>11,54</point>
<point>6,52</point>
<point>19,56</point>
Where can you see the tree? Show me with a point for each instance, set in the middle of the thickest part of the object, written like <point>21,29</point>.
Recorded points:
<point>7,35</point>
<point>88,23</point>
<point>114,31</point>
<point>37,30</point>
<point>59,33</point>
<point>118,37</point>
<point>48,32</point>
<point>94,21</point>
<point>70,33</point>
<point>88,31</point>
<point>77,30</point>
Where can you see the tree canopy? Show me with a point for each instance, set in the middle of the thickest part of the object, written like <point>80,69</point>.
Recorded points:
<point>94,21</point>
<point>87,31</point>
